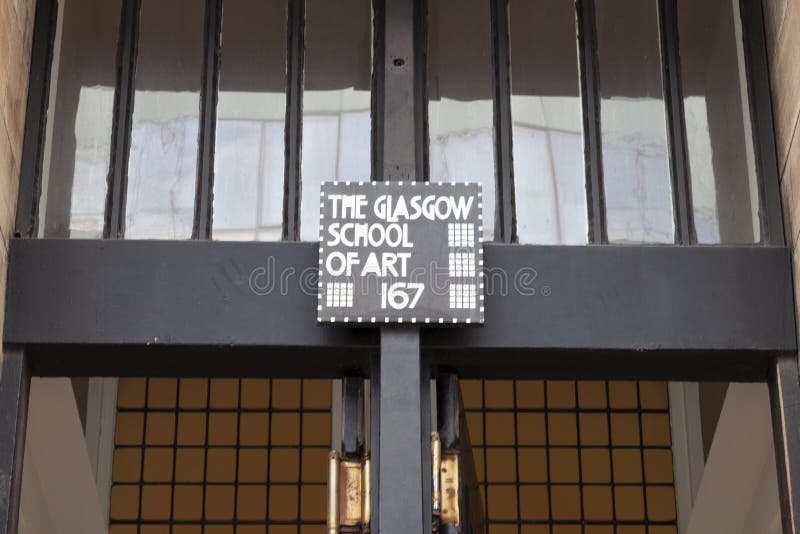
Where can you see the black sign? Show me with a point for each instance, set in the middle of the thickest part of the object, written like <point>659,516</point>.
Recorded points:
<point>401,252</point>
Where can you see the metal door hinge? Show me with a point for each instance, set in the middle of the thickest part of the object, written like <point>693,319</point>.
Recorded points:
<point>445,485</point>
<point>348,495</point>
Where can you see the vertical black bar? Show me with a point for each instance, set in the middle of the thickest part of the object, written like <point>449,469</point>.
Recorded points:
<point>784,389</point>
<point>424,373</point>
<point>421,89</point>
<point>127,47</point>
<point>757,67</point>
<point>399,91</point>
<point>505,215</point>
<point>404,498</point>
<point>209,94</point>
<point>590,97</point>
<point>15,382</point>
<point>294,116</point>
<point>448,411</point>
<point>30,179</point>
<point>399,112</point>
<point>352,417</point>
<point>676,124</point>
<point>378,84</point>
<point>375,437</point>
<point>401,445</point>
<point>452,427</point>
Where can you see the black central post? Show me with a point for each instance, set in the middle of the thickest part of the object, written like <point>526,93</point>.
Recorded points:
<point>404,502</point>
<point>400,396</point>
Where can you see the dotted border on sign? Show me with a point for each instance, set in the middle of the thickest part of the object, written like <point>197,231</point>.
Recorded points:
<point>401,320</point>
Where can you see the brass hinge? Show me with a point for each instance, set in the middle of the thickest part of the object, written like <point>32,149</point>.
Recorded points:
<point>445,485</point>
<point>348,495</point>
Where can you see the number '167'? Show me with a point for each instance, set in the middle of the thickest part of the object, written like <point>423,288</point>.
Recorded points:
<point>401,295</point>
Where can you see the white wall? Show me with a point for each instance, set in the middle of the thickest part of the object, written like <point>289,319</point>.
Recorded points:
<point>59,495</point>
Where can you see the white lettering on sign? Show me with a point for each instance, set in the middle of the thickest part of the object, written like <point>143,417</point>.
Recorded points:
<point>368,235</point>
<point>430,207</point>
<point>395,252</point>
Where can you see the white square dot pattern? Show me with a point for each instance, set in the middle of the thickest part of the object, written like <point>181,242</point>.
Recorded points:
<point>462,296</point>
<point>461,235</point>
<point>462,263</point>
<point>339,295</point>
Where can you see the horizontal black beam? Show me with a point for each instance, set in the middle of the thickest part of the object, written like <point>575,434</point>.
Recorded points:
<point>166,308</point>
<point>633,298</point>
<point>175,293</point>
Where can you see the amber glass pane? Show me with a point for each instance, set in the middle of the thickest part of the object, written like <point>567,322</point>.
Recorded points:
<point>568,455</point>
<point>213,453</point>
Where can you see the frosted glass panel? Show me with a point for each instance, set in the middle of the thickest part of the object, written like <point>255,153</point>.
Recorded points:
<point>162,171</point>
<point>548,126</point>
<point>336,101</point>
<point>249,160</point>
<point>718,130</point>
<point>460,109</point>
<point>80,114</point>
<point>636,168</point>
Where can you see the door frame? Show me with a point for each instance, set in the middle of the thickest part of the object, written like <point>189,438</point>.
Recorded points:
<point>700,314</point>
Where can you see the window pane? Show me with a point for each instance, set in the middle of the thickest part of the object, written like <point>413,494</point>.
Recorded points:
<point>249,152</point>
<point>460,109</point>
<point>548,126</point>
<point>162,171</point>
<point>200,455</point>
<point>721,155</point>
<point>554,456</point>
<point>636,170</point>
<point>78,139</point>
<point>336,101</point>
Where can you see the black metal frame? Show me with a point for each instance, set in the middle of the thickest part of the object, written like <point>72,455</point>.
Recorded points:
<point>593,154</point>
<point>127,48</point>
<point>294,114</point>
<point>209,94</point>
<point>14,389</point>
<point>399,124</point>
<point>112,307</point>
<point>452,428</point>
<point>671,74</point>
<point>505,220</point>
